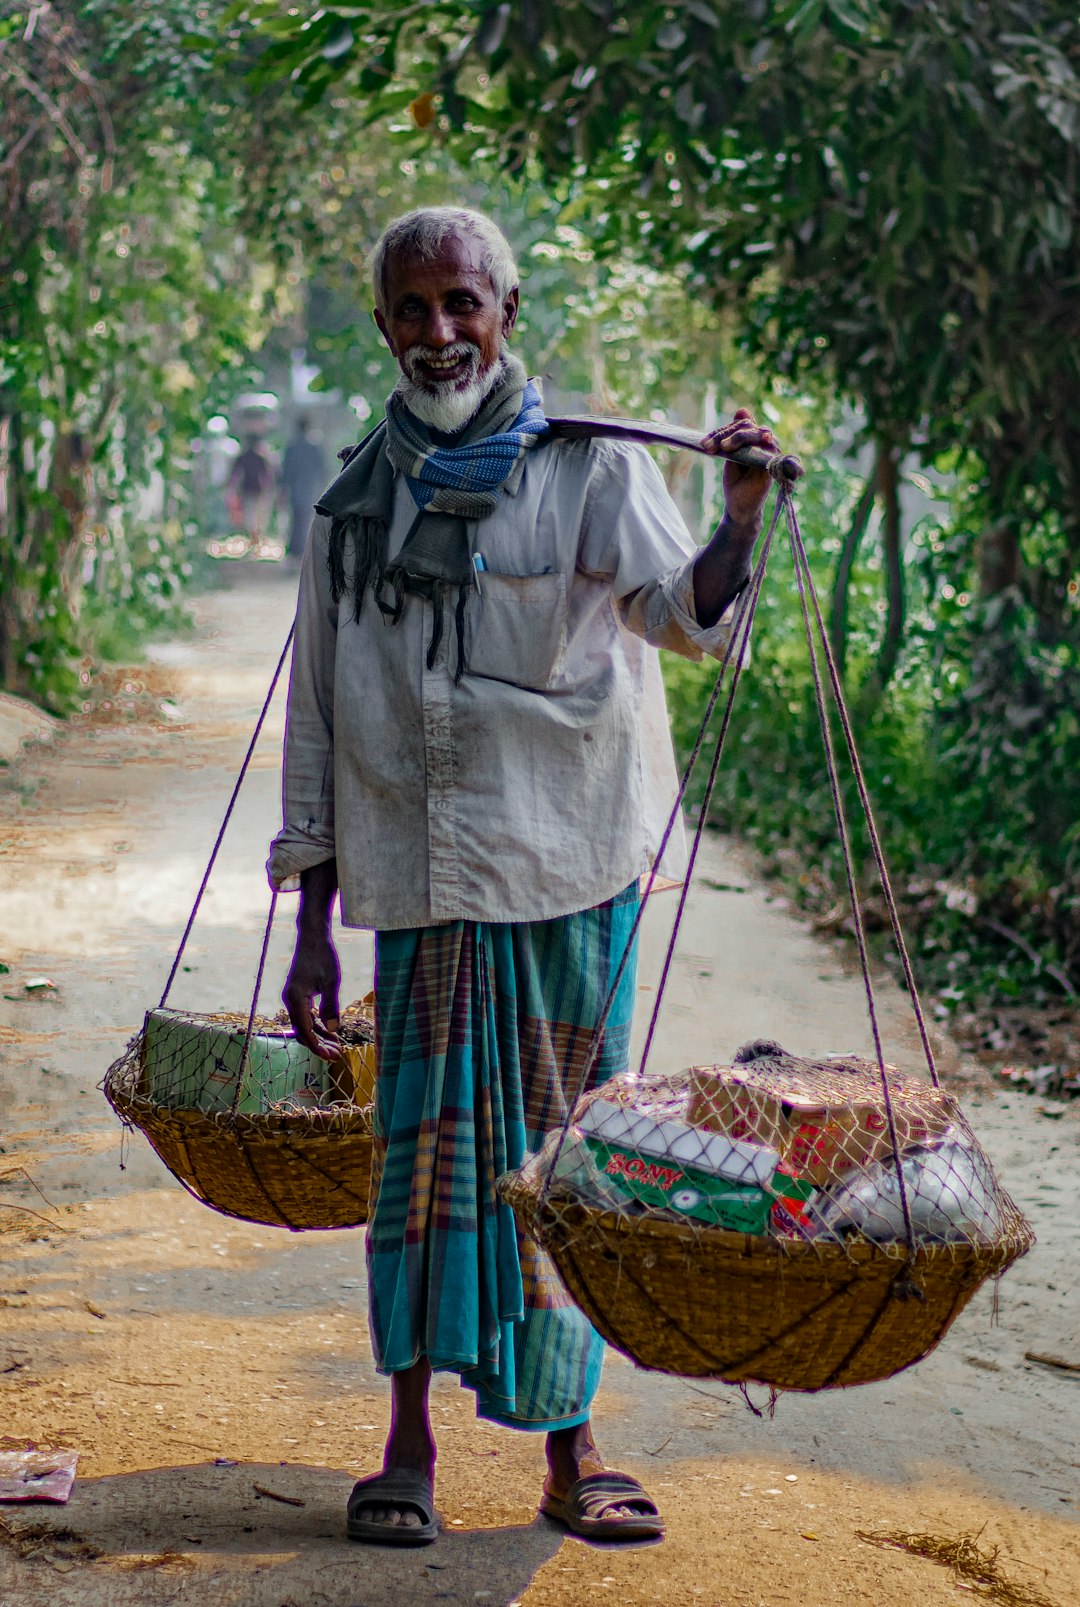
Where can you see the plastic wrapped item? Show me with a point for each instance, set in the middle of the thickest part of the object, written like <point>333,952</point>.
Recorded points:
<point>951,1198</point>
<point>37,1475</point>
<point>192,1061</point>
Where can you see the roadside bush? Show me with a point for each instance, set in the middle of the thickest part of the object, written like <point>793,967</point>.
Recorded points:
<point>970,757</point>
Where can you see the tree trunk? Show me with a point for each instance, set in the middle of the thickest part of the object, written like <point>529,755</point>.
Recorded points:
<point>998,552</point>
<point>838,611</point>
<point>892,641</point>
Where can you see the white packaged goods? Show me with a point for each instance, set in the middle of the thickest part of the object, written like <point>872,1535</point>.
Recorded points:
<point>733,1159</point>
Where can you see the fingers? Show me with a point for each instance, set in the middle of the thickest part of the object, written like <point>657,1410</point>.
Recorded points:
<point>755,436</point>
<point>743,430</point>
<point>318,1035</point>
<point>331,1005</point>
<point>301,1018</point>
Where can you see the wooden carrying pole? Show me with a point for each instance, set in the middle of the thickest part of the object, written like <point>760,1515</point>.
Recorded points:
<point>780,465</point>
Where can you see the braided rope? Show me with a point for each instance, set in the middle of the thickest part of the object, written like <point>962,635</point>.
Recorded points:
<point>778,468</point>
<point>228,815</point>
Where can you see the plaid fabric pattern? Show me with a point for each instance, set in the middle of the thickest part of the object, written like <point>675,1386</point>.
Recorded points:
<point>481,1030</point>
<point>470,476</point>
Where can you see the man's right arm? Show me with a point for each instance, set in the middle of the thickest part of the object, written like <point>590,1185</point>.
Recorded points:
<point>304,852</point>
<point>315,973</point>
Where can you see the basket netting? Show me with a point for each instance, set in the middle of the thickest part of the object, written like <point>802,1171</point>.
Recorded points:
<point>248,1119</point>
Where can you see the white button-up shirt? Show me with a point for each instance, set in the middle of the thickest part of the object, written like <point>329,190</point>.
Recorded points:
<point>538,784</point>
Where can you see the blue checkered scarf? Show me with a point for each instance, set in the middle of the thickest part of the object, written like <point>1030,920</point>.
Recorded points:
<point>467,479</point>
<point>449,485</point>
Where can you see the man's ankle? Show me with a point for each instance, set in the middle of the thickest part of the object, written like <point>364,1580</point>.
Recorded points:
<point>416,1453</point>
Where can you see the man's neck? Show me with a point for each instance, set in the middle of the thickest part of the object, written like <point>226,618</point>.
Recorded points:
<point>444,438</point>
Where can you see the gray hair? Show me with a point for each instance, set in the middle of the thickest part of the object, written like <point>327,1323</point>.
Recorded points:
<point>424,232</point>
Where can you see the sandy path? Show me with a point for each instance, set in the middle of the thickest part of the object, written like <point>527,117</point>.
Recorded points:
<point>155,1336</point>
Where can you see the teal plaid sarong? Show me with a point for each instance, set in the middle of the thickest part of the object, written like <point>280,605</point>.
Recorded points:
<point>481,1028</point>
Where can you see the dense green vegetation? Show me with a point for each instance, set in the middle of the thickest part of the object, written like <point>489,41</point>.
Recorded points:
<point>862,216</point>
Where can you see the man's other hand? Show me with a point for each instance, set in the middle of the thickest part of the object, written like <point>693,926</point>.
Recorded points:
<point>745,489</point>
<point>315,974</point>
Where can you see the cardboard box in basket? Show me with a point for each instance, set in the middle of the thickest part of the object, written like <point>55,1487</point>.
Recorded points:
<point>191,1063</point>
<point>821,1126</point>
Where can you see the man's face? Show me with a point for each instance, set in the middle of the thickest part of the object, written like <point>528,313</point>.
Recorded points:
<point>447,330</point>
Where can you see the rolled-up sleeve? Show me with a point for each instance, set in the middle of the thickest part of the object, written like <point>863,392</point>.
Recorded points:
<point>634,536</point>
<point>307,835</point>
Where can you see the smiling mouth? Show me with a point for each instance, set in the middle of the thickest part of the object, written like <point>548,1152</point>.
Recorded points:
<point>457,366</point>
<point>444,368</point>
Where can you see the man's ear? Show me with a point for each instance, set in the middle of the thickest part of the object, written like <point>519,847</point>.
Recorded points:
<point>510,311</point>
<point>383,330</point>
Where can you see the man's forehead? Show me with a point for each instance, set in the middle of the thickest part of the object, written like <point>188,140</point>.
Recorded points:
<point>457,257</point>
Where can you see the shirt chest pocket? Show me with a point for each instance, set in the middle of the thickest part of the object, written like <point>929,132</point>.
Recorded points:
<point>517,629</point>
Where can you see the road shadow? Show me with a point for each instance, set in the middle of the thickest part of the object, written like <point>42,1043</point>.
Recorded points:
<point>204,1534</point>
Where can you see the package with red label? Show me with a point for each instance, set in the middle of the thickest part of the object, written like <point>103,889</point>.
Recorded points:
<point>823,1121</point>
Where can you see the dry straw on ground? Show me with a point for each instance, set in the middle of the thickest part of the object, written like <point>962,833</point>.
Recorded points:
<point>971,1566</point>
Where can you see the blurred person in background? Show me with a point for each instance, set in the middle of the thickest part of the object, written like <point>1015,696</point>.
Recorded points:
<point>303,476</point>
<point>250,489</point>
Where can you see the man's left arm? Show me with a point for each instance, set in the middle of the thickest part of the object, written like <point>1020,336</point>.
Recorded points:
<point>722,568</point>
<point>667,589</point>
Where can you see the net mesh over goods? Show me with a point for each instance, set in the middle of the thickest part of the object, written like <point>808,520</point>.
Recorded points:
<point>273,1135</point>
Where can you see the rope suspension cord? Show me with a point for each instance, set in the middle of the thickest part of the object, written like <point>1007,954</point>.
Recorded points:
<point>778,467</point>
<point>739,640</point>
<point>254,1006</point>
<point>798,553</point>
<point>228,816</point>
<point>743,639</point>
<point>802,562</point>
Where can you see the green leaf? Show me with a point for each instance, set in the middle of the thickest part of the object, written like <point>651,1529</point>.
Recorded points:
<point>339,43</point>
<point>849,14</point>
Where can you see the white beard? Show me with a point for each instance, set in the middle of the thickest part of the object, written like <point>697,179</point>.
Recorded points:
<point>444,407</point>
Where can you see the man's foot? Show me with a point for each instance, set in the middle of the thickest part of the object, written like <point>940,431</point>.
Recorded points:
<point>399,1499</point>
<point>580,1492</point>
<point>395,1507</point>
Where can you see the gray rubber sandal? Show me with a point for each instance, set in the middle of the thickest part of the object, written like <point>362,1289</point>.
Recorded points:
<point>404,1489</point>
<point>588,1508</point>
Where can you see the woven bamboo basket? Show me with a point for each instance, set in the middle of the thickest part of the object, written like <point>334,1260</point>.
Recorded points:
<point>706,1303</point>
<point>286,1167</point>
<point>799,1313</point>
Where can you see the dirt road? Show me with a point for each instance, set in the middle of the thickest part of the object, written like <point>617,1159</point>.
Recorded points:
<point>190,1358</point>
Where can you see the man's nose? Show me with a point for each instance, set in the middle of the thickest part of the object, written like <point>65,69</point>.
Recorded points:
<point>440,327</point>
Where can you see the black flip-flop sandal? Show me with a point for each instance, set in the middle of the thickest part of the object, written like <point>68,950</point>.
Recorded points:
<point>401,1488</point>
<point>587,1508</point>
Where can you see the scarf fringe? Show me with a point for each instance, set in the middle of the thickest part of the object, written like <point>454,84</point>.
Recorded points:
<point>370,547</point>
<point>369,540</point>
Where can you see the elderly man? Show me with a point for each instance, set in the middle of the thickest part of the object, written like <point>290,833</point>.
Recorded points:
<point>477,764</point>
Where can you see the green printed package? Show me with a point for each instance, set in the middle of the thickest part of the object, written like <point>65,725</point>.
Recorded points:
<point>725,1182</point>
<point>682,1188</point>
<point>193,1065</point>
